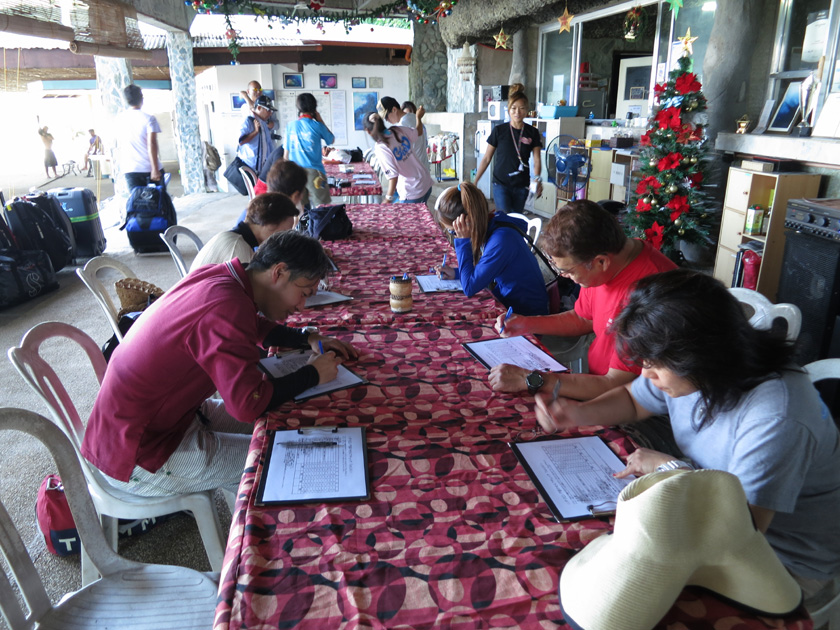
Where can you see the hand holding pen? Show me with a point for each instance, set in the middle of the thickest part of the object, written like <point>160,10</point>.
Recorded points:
<point>506,318</point>
<point>444,272</point>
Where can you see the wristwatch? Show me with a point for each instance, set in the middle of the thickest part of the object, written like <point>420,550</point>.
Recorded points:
<point>537,179</point>
<point>674,464</point>
<point>534,381</point>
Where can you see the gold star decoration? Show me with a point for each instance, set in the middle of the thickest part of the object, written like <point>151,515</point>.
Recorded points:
<point>502,40</point>
<point>687,42</point>
<point>675,7</point>
<point>566,21</point>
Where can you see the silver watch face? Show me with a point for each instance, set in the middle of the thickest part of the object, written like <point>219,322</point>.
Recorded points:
<point>534,380</point>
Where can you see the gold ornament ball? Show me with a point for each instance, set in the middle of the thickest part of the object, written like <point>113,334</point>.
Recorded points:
<point>678,221</point>
<point>704,216</point>
<point>681,232</point>
<point>672,188</point>
<point>647,200</point>
<point>654,202</point>
<point>653,162</point>
<point>693,160</point>
<point>685,161</point>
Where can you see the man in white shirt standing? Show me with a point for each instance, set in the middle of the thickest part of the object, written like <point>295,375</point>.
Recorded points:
<point>138,142</point>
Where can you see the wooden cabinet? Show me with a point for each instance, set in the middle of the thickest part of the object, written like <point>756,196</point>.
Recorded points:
<point>599,187</point>
<point>771,191</point>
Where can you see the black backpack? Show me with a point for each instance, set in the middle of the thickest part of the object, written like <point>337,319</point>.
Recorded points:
<point>329,223</point>
<point>35,228</point>
<point>24,274</point>
<point>149,212</point>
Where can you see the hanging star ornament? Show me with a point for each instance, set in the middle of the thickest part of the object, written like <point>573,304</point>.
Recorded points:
<point>687,42</point>
<point>566,21</point>
<point>502,40</point>
<point>675,7</point>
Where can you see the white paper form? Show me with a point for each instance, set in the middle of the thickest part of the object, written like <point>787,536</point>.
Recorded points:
<point>574,475</point>
<point>281,365</point>
<point>315,465</point>
<point>326,297</point>
<point>513,351</point>
<point>434,284</point>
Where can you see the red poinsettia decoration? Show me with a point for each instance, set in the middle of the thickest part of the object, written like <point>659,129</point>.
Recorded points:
<point>679,205</point>
<point>316,5</point>
<point>669,118</point>
<point>654,234</point>
<point>670,161</point>
<point>696,179</point>
<point>687,83</point>
<point>641,206</point>
<point>658,89</point>
<point>647,184</point>
<point>645,139</point>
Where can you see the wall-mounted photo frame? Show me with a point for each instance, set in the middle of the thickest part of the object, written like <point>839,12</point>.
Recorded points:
<point>269,94</point>
<point>359,83</point>
<point>637,93</point>
<point>634,76</point>
<point>328,81</point>
<point>788,111</point>
<point>236,101</point>
<point>292,80</point>
<point>363,104</point>
<point>375,82</point>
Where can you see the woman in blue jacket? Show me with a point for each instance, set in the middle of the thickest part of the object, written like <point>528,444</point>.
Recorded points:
<point>491,252</point>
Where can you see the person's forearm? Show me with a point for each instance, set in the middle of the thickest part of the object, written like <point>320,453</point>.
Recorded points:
<point>617,406</point>
<point>485,161</point>
<point>567,324</point>
<point>586,386</point>
<point>153,152</point>
<point>537,163</point>
<point>250,136</point>
<point>392,186</point>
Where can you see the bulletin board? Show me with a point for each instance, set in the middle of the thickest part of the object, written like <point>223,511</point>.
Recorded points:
<point>332,105</point>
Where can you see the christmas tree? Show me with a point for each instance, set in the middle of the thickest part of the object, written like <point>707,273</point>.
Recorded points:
<point>669,204</point>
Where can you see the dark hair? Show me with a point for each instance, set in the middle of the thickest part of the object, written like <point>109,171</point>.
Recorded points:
<point>516,92</point>
<point>687,322</point>
<point>306,103</point>
<point>375,126</point>
<point>582,230</point>
<point>271,208</point>
<point>387,103</point>
<point>133,95</point>
<point>286,177</point>
<point>466,198</point>
<point>303,255</point>
<point>409,105</point>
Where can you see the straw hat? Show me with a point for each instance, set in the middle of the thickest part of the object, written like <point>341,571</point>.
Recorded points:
<point>674,529</point>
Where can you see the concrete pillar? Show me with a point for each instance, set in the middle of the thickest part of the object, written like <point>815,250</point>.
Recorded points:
<point>461,89</point>
<point>519,64</point>
<point>112,77</point>
<point>427,73</point>
<point>187,137</point>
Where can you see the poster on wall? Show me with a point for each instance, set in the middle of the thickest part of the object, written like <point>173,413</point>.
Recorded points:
<point>338,105</point>
<point>332,106</point>
<point>363,104</point>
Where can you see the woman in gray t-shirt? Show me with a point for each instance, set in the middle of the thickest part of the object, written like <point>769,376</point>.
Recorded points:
<point>736,402</point>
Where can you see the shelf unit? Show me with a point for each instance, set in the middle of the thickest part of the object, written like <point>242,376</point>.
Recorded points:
<point>772,191</point>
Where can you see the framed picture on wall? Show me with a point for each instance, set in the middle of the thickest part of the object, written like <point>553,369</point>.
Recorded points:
<point>236,101</point>
<point>269,94</point>
<point>328,81</point>
<point>363,104</point>
<point>359,83</point>
<point>787,114</point>
<point>292,80</point>
<point>634,76</point>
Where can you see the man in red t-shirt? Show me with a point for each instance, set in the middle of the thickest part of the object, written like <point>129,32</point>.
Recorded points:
<point>587,245</point>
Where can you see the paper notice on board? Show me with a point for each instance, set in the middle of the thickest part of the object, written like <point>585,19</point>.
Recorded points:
<point>515,351</point>
<point>338,105</point>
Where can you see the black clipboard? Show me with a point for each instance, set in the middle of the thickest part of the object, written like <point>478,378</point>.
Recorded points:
<point>593,510</point>
<point>327,433</point>
<point>362,381</point>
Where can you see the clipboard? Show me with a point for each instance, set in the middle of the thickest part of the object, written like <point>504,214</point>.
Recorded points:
<point>346,378</point>
<point>525,347</point>
<point>299,468</point>
<point>324,298</point>
<point>554,476</point>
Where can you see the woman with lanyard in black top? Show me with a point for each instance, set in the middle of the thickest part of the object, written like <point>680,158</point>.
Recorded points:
<point>513,144</point>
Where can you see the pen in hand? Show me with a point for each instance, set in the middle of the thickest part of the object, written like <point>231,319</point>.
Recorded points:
<point>507,317</point>
<point>556,392</point>
<point>440,275</point>
<point>320,347</point>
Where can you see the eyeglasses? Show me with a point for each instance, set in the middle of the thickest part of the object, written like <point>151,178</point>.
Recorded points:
<point>564,272</point>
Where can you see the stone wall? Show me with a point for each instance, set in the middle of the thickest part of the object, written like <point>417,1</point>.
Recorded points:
<point>187,136</point>
<point>427,77</point>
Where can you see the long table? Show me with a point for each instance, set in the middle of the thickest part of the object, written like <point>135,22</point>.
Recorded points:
<point>354,190</point>
<point>455,534</point>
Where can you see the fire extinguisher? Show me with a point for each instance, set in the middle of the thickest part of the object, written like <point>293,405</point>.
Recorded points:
<point>752,263</point>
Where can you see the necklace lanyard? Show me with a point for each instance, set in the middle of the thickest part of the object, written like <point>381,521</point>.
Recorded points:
<point>517,145</point>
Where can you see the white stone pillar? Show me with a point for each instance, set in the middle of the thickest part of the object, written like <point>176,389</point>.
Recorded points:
<point>187,137</point>
<point>113,75</point>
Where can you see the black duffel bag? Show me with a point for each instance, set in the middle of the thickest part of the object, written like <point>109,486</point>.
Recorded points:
<point>24,274</point>
<point>329,223</point>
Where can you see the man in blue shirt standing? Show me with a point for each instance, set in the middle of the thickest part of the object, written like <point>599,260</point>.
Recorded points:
<point>303,146</point>
<point>255,143</point>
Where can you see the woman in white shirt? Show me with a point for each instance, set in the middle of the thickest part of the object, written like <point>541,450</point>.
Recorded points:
<point>393,149</point>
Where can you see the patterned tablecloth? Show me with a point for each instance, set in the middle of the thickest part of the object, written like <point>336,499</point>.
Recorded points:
<point>354,190</point>
<point>387,240</point>
<point>455,534</point>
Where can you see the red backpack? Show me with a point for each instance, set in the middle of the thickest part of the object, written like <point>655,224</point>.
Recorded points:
<point>55,520</point>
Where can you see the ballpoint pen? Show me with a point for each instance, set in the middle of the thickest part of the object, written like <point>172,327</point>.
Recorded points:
<point>320,347</point>
<point>507,317</point>
<point>556,389</point>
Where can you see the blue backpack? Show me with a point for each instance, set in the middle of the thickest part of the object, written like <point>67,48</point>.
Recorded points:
<point>149,212</point>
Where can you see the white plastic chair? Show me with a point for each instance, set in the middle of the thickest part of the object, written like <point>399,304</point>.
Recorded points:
<point>534,224</point>
<point>111,503</point>
<point>828,614</point>
<point>249,176</point>
<point>89,275</point>
<point>130,595</point>
<point>170,236</point>
<point>764,312</point>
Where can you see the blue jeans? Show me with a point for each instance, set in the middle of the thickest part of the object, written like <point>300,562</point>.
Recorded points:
<point>508,198</point>
<point>422,199</point>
